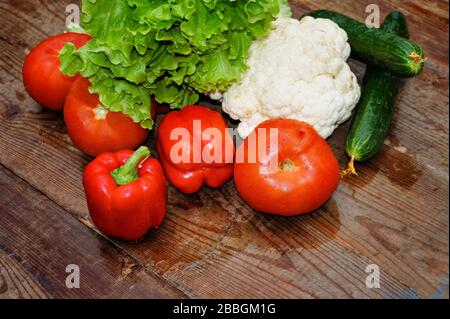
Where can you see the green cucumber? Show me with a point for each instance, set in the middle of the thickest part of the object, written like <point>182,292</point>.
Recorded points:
<point>378,47</point>
<point>376,107</point>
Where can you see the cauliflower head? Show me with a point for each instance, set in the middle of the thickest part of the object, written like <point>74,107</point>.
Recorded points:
<point>300,72</point>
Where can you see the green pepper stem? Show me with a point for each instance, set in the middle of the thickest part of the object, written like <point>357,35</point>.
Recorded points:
<point>128,173</point>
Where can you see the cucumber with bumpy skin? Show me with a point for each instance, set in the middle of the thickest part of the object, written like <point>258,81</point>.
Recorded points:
<point>376,106</point>
<point>378,47</point>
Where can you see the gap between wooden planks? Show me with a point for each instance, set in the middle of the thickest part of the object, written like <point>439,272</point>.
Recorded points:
<point>39,239</point>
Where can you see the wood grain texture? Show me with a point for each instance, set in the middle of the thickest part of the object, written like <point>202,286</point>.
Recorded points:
<point>38,240</point>
<point>394,214</point>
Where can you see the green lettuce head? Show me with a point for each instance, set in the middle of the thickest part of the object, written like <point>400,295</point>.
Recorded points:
<point>172,50</point>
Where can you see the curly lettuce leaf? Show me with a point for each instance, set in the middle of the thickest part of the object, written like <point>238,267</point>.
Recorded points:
<point>173,50</point>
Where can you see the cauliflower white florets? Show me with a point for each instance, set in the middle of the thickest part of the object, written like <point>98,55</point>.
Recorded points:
<point>300,72</point>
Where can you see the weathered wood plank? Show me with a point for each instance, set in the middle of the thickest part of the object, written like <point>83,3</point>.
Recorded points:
<point>16,282</point>
<point>395,214</point>
<point>38,240</point>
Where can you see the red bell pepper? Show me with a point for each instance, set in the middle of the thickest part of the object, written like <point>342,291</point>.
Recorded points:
<point>214,169</point>
<point>126,193</point>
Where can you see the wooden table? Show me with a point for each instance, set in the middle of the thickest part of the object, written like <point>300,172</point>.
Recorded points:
<point>394,214</point>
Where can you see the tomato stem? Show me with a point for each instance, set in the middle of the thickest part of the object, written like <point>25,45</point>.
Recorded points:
<point>128,173</point>
<point>288,165</point>
<point>100,113</point>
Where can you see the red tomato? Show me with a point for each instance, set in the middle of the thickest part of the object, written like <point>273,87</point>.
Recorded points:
<point>42,78</point>
<point>93,129</point>
<point>297,177</point>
